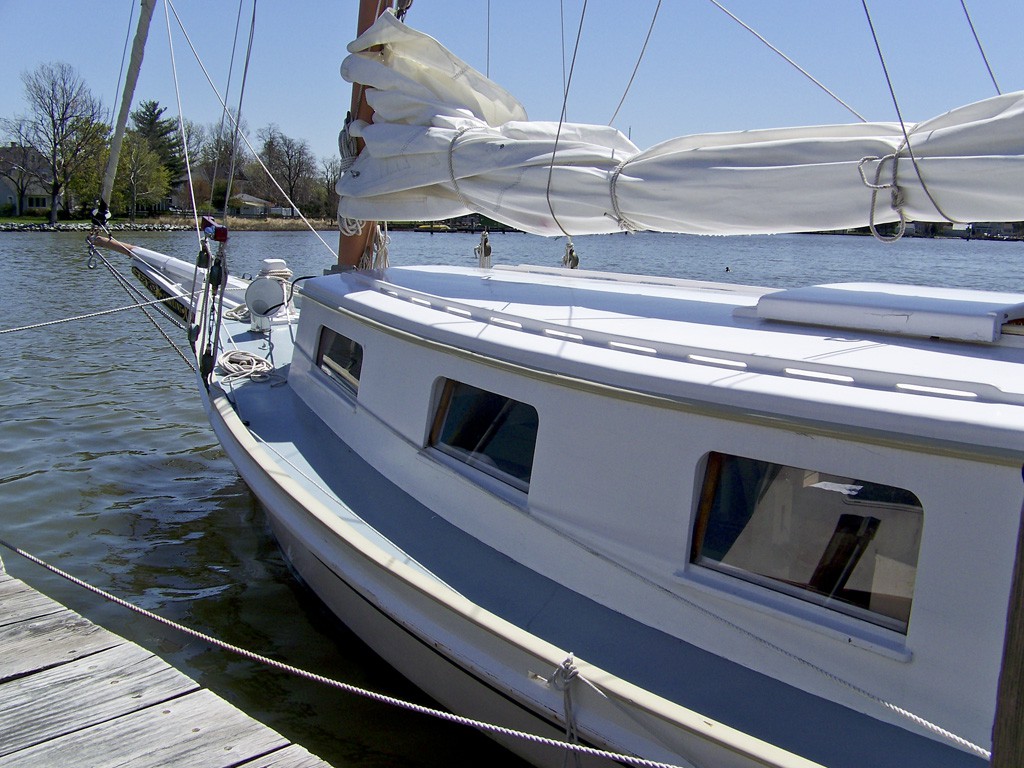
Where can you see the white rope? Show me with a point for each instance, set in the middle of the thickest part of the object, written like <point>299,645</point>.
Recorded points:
<point>903,126</point>
<point>451,167</point>
<point>347,687</point>
<point>561,680</point>
<point>238,364</point>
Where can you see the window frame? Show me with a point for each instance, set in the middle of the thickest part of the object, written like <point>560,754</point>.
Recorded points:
<point>481,462</point>
<point>332,369</point>
<point>710,480</point>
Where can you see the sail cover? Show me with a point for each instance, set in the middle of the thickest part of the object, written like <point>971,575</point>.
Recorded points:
<point>446,141</point>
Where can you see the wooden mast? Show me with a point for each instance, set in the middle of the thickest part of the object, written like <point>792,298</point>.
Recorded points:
<point>134,65</point>
<point>352,247</point>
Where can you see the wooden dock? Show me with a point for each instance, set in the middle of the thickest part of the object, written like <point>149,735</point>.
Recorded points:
<point>74,694</point>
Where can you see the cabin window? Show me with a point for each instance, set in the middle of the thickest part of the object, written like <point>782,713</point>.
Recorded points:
<point>845,543</point>
<point>490,432</point>
<point>340,358</point>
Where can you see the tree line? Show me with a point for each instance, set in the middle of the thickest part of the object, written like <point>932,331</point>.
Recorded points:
<point>61,144</point>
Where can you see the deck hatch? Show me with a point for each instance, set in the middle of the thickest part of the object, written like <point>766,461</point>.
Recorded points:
<point>950,313</point>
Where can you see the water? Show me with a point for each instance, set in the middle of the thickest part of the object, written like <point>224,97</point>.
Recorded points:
<point>108,467</point>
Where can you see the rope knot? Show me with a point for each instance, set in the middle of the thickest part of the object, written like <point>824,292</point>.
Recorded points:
<point>563,676</point>
<point>896,196</point>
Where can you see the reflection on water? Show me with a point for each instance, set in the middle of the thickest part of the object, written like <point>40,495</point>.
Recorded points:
<point>109,469</point>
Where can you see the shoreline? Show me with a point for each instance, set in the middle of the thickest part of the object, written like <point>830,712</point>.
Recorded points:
<point>163,225</point>
<point>329,225</point>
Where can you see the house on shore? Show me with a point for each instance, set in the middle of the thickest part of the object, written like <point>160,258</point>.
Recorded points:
<point>24,181</point>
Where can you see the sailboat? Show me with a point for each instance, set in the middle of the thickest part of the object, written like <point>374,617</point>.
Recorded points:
<point>659,520</point>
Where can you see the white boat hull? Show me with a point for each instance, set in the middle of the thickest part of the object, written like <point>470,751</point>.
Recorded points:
<point>459,655</point>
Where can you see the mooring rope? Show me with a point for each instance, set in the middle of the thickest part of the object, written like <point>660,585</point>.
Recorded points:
<point>86,316</point>
<point>347,687</point>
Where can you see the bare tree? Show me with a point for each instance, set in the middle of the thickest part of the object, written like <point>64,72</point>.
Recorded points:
<point>289,160</point>
<point>141,172</point>
<point>223,154</point>
<point>195,141</point>
<point>196,137</point>
<point>330,172</point>
<point>65,124</point>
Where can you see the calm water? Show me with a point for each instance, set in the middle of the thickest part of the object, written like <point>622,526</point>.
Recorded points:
<point>108,467</point>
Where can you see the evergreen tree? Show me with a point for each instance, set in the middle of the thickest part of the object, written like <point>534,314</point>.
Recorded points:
<point>162,136</point>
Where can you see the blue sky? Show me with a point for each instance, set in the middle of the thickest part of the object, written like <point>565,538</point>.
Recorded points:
<point>702,72</point>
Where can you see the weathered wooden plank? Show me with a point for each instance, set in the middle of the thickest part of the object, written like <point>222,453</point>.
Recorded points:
<point>30,646</point>
<point>85,692</point>
<point>72,693</point>
<point>292,756</point>
<point>19,602</point>
<point>199,730</point>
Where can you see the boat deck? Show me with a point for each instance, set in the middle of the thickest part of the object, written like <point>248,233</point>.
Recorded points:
<point>72,693</point>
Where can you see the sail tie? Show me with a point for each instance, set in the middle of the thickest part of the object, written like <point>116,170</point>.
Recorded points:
<point>624,223</point>
<point>451,166</point>
<point>896,197</point>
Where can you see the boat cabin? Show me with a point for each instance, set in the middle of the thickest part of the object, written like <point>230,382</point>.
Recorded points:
<point>819,485</point>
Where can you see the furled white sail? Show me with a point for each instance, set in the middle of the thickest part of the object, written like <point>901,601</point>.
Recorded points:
<point>446,141</point>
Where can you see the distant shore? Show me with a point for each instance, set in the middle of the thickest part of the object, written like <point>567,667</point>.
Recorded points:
<point>166,224</point>
<point>236,224</point>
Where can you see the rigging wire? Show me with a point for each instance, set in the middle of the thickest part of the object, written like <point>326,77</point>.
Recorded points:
<point>242,135</point>
<point>241,95</point>
<point>640,58</point>
<point>124,51</point>
<point>227,91</point>
<point>561,121</point>
<point>903,125</point>
<point>796,66</point>
<point>963,4</point>
<point>181,130</point>
<point>561,29</point>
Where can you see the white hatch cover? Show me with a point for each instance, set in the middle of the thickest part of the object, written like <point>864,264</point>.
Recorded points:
<point>950,313</point>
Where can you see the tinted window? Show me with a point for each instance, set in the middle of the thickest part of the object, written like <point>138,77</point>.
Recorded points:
<point>488,431</point>
<point>838,541</point>
<point>340,358</point>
